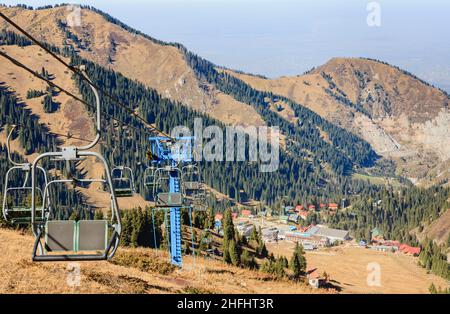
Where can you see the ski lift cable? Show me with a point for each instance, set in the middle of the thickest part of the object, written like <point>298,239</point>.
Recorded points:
<point>68,136</point>
<point>79,73</point>
<point>23,66</point>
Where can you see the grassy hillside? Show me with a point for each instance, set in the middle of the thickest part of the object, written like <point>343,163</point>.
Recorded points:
<point>131,271</point>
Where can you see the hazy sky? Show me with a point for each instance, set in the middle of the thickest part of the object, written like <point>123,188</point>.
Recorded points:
<point>288,37</point>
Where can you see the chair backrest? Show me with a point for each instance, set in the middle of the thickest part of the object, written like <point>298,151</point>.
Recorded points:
<point>72,236</point>
<point>191,185</point>
<point>169,200</point>
<point>92,235</point>
<point>60,235</point>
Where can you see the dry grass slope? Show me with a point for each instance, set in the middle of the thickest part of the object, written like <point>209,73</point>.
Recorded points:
<point>161,67</point>
<point>347,267</point>
<point>131,271</point>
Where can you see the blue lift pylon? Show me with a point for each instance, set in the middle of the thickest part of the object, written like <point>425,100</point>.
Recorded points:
<point>165,156</point>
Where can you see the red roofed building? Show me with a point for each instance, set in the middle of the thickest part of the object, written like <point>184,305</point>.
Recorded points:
<point>218,217</point>
<point>322,205</point>
<point>234,215</point>
<point>246,212</point>
<point>299,208</point>
<point>409,249</point>
<point>333,206</point>
<point>314,278</point>
<point>311,207</point>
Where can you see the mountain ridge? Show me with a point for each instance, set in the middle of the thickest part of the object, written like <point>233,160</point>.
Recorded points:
<point>391,133</point>
<point>233,112</point>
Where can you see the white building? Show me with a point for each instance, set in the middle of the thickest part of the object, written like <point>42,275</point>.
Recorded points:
<point>332,235</point>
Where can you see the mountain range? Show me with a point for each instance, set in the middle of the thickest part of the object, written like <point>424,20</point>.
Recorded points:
<point>403,118</point>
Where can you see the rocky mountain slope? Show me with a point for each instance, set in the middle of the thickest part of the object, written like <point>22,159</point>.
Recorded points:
<point>402,117</point>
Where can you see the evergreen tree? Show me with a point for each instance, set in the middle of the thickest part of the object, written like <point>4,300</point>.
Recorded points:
<point>234,252</point>
<point>49,105</point>
<point>274,267</point>
<point>248,261</point>
<point>32,93</point>
<point>298,261</point>
<point>254,234</point>
<point>210,219</point>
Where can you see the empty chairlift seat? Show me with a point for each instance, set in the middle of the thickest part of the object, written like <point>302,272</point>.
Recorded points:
<point>72,236</point>
<point>92,235</point>
<point>192,185</point>
<point>149,176</point>
<point>60,236</point>
<point>123,181</point>
<point>169,200</point>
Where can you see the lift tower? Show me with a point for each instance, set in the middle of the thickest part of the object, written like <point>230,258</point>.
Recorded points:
<point>168,154</point>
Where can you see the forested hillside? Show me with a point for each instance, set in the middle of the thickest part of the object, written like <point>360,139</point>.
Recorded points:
<point>345,151</point>
<point>297,177</point>
<point>165,114</point>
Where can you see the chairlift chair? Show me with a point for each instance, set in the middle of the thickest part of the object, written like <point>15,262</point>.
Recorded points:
<point>194,190</point>
<point>199,201</point>
<point>70,240</point>
<point>191,178</point>
<point>17,211</point>
<point>123,181</point>
<point>149,176</point>
<point>161,189</point>
<point>17,208</point>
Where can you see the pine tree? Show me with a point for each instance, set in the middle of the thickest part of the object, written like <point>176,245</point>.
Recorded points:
<point>210,218</point>
<point>279,268</point>
<point>262,250</point>
<point>285,261</point>
<point>254,234</point>
<point>226,254</point>
<point>137,228</point>
<point>125,238</point>
<point>228,236</point>
<point>234,253</point>
<point>48,104</point>
<point>298,261</point>
<point>248,261</point>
